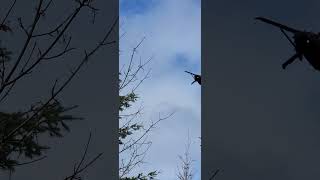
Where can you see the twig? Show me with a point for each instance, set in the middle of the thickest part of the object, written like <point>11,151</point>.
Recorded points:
<point>7,14</point>
<point>30,162</point>
<point>35,21</point>
<point>146,132</point>
<point>214,174</point>
<point>84,60</point>
<point>80,167</point>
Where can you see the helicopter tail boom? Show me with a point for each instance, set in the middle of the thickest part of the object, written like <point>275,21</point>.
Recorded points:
<point>190,73</point>
<point>281,26</point>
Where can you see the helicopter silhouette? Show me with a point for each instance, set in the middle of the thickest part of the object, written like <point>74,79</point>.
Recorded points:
<point>306,44</point>
<point>196,77</point>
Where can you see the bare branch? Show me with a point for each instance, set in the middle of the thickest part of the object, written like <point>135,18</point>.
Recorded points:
<point>81,167</point>
<point>214,174</point>
<point>55,94</point>
<point>146,132</point>
<point>2,24</point>
<point>30,162</point>
<point>36,19</point>
<point>66,50</point>
<point>56,29</point>
<point>185,172</point>
<point>22,26</point>
<point>19,135</point>
<point>127,74</point>
<point>133,136</point>
<point>28,60</point>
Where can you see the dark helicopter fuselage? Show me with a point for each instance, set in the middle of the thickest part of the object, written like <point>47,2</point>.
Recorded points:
<point>196,77</point>
<point>308,44</point>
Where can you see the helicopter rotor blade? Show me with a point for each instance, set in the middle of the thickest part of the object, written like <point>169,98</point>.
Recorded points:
<point>290,60</point>
<point>281,26</point>
<point>193,82</point>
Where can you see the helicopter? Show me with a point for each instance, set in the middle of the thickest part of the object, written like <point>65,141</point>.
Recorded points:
<point>196,77</point>
<point>306,44</point>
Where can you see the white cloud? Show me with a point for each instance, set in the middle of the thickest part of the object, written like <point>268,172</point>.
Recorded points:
<point>171,28</point>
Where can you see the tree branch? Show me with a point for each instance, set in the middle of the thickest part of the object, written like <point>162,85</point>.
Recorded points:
<point>80,167</point>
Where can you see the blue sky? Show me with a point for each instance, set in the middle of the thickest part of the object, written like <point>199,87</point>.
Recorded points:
<point>131,7</point>
<point>173,37</point>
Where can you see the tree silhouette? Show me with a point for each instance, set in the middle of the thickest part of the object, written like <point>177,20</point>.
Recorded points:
<point>20,130</point>
<point>133,132</point>
<point>185,171</point>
